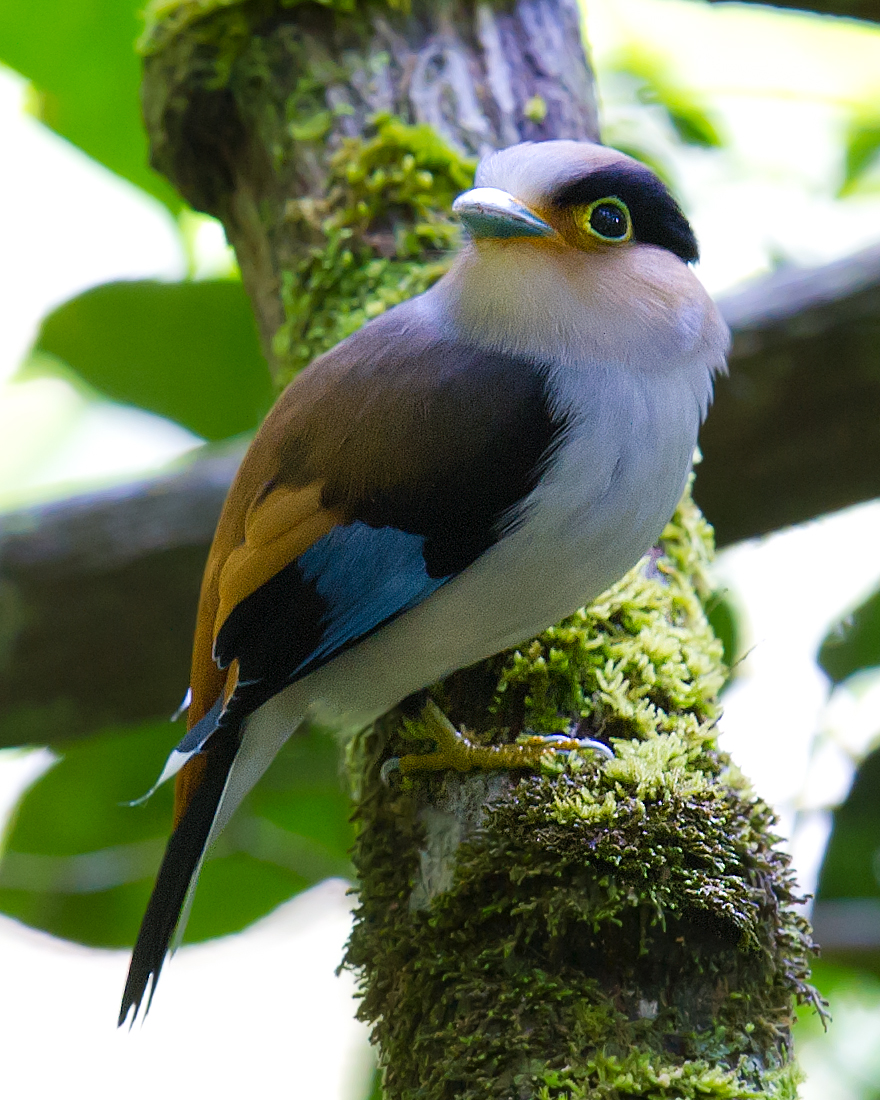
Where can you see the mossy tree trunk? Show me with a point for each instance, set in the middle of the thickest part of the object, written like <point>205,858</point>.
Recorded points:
<point>606,929</point>
<point>331,138</point>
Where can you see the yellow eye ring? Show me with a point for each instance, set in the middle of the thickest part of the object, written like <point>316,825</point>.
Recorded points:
<point>607,219</point>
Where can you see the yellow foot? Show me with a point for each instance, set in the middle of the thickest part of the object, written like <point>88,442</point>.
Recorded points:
<point>454,752</point>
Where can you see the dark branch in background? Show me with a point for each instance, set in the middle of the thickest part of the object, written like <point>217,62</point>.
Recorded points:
<point>98,598</point>
<point>98,593</point>
<point>795,431</point>
<point>849,9</point>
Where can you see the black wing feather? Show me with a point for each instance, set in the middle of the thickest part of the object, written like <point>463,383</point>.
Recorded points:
<point>179,864</point>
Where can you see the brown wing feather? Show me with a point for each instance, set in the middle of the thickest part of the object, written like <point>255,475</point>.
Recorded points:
<point>272,532</point>
<point>374,423</point>
<point>279,527</point>
<point>242,510</point>
<point>277,489</point>
<point>186,783</point>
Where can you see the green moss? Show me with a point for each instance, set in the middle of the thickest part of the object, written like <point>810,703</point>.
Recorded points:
<point>639,1074</point>
<point>613,929</point>
<point>373,226</point>
<point>536,109</point>
<point>166,19</point>
<point>381,235</point>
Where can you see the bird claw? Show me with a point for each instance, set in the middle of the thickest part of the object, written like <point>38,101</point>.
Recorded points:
<point>567,743</point>
<point>454,752</point>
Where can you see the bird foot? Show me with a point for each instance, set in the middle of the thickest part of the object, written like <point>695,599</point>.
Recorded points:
<point>454,752</point>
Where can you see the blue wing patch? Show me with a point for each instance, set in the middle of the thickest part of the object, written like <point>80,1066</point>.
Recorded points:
<point>352,581</point>
<point>364,576</point>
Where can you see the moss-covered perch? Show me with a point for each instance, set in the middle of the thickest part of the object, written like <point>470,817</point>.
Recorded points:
<point>609,929</point>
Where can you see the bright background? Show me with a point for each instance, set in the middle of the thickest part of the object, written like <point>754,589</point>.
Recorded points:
<point>770,98</point>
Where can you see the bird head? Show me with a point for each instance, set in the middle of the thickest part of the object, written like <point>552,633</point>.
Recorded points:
<point>576,195</point>
<point>579,250</point>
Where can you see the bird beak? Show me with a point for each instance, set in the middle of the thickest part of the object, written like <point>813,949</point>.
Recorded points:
<point>491,212</point>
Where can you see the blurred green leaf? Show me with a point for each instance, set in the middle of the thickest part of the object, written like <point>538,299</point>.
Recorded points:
<point>690,120</point>
<point>842,1061</point>
<point>854,643</point>
<point>692,124</point>
<point>70,835</point>
<point>79,863</point>
<point>846,916</point>
<point>851,868</point>
<point>188,351</point>
<point>375,1092</point>
<point>660,84</point>
<point>723,619</point>
<point>862,152</point>
<point>81,58</point>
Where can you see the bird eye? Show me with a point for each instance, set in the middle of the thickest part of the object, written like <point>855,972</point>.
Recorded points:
<point>607,219</point>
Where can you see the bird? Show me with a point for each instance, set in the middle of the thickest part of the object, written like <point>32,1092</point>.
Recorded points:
<point>465,470</point>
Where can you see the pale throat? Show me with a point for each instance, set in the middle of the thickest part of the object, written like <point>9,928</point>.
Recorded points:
<point>576,309</point>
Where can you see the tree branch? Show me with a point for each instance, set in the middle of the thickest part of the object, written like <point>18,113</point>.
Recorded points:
<point>849,9</point>
<point>98,596</point>
<point>794,432</point>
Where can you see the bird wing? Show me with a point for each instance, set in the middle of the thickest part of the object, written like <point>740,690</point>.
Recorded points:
<point>387,467</point>
<point>384,470</point>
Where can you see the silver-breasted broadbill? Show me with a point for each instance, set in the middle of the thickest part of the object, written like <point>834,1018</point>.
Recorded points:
<point>462,472</point>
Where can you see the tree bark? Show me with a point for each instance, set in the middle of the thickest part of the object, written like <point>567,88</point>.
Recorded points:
<point>602,930</point>
<point>252,110</point>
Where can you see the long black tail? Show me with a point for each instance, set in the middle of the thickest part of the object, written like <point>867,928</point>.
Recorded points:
<point>179,864</point>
